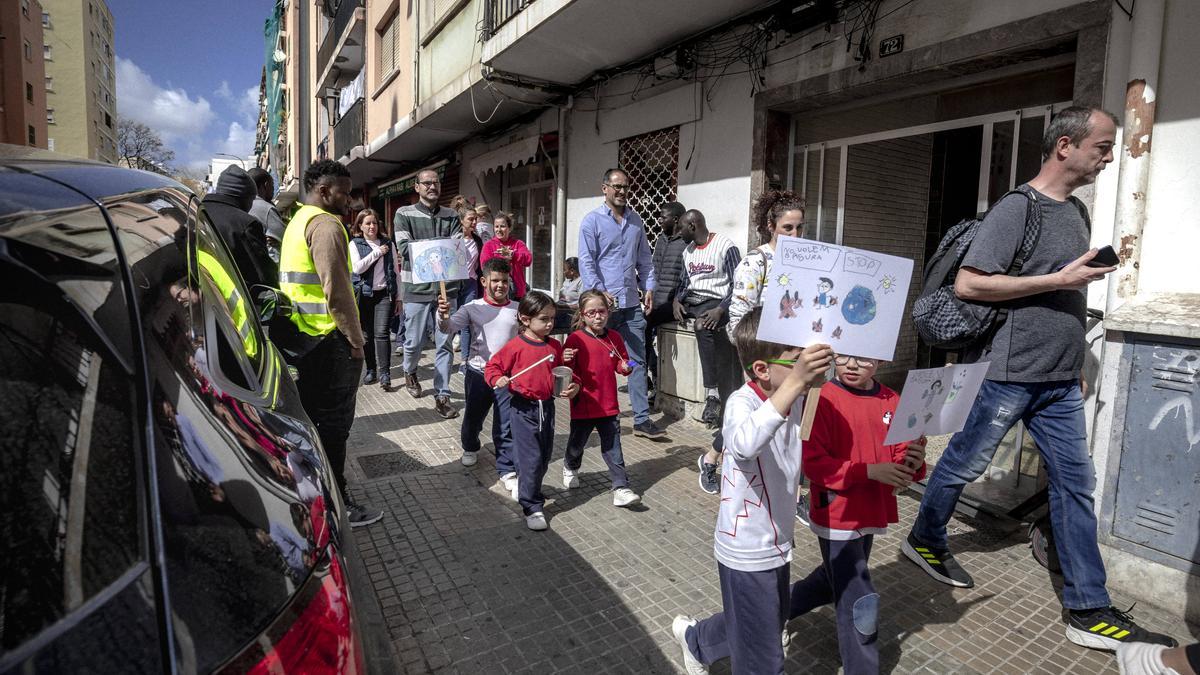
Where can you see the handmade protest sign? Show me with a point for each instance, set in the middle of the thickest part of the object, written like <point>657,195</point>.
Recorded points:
<point>936,401</point>
<point>845,297</point>
<point>435,260</point>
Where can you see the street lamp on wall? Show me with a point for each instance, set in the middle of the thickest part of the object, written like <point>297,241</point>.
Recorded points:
<point>330,99</point>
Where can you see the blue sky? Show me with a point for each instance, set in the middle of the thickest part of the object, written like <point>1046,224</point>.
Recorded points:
<point>190,71</point>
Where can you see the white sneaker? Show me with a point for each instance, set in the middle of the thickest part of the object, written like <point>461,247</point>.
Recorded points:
<point>1142,658</point>
<point>785,639</point>
<point>690,664</point>
<point>537,521</point>
<point>623,496</point>
<point>509,481</point>
<point>570,478</point>
<point>469,458</point>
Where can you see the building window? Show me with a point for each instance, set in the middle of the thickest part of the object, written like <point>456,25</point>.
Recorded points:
<point>49,115</point>
<point>29,92</point>
<point>32,135</point>
<point>45,19</point>
<point>389,47</point>
<point>28,51</point>
<point>25,8</point>
<point>46,53</point>
<point>50,144</point>
<point>108,120</point>
<point>49,83</point>
<point>652,162</point>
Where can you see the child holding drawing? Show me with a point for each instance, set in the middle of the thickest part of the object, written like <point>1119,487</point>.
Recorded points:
<point>492,321</point>
<point>753,538</point>
<point>854,478</point>
<point>599,355</point>
<point>526,366</point>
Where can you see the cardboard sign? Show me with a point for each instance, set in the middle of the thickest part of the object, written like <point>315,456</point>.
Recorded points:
<point>849,298</point>
<point>435,260</point>
<point>936,401</point>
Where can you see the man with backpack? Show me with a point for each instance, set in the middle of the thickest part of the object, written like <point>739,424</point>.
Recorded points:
<point>1023,277</point>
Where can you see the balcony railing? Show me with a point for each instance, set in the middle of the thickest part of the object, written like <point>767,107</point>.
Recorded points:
<point>343,13</point>
<point>497,12</point>
<point>348,132</point>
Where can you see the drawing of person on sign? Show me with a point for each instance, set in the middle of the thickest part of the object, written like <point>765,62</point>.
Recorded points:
<point>824,299</point>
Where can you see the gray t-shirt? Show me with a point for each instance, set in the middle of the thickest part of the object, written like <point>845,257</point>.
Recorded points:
<point>1042,340</point>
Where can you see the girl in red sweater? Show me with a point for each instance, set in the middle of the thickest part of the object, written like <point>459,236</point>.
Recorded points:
<point>525,365</point>
<point>599,355</point>
<point>854,479</point>
<point>504,245</point>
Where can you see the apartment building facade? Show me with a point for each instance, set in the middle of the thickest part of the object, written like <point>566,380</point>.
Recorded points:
<point>22,74</point>
<point>80,80</point>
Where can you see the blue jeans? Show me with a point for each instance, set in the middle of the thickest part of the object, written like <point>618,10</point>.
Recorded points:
<point>1053,413</point>
<point>418,317</point>
<point>470,291</point>
<point>630,322</point>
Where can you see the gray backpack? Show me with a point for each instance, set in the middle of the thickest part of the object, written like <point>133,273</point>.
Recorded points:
<point>942,319</point>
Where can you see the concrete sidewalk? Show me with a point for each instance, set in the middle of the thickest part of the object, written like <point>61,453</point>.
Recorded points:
<point>466,588</point>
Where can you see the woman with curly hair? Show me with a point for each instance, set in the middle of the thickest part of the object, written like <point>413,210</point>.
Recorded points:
<point>776,213</point>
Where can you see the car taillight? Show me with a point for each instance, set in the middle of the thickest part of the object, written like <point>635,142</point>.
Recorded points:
<point>322,639</point>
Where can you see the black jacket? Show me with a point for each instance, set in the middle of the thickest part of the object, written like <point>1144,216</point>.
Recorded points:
<point>229,210</point>
<point>362,282</point>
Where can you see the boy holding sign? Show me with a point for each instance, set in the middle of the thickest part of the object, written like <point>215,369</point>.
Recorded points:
<point>760,477</point>
<point>854,479</point>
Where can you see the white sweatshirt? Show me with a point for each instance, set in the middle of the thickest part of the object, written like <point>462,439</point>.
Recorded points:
<point>759,477</point>
<point>492,326</point>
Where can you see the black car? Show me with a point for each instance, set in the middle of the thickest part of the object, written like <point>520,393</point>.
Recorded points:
<point>167,506</point>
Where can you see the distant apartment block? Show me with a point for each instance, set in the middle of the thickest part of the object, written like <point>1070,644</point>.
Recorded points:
<point>23,113</point>
<point>80,82</point>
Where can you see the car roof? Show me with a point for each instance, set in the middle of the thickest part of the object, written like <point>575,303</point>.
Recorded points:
<point>95,180</point>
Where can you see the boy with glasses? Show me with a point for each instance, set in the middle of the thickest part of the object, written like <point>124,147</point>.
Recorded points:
<point>852,498</point>
<point>754,531</point>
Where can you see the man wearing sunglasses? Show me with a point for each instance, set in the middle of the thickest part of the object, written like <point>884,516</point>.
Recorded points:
<point>615,257</point>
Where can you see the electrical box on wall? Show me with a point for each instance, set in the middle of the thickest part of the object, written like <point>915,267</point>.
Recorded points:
<point>797,16</point>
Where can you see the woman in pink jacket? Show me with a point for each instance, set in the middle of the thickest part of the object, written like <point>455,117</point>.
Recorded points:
<point>503,245</point>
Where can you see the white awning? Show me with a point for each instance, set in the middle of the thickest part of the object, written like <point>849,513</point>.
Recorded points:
<point>513,154</point>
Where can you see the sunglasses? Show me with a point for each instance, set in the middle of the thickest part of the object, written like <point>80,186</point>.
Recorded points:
<point>779,362</point>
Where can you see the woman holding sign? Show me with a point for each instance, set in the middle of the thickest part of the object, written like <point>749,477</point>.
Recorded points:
<point>504,245</point>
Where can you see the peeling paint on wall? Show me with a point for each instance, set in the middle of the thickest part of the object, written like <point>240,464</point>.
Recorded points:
<point>1139,110</point>
<point>1126,250</point>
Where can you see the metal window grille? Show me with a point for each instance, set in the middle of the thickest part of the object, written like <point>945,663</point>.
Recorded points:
<point>652,162</point>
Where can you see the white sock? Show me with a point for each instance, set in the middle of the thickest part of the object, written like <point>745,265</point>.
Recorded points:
<point>710,392</point>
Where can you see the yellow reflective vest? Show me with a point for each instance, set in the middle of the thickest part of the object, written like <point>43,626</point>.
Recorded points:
<point>233,300</point>
<point>298,275</point>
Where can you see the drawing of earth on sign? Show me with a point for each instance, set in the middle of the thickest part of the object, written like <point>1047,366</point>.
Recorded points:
<point>858,307</point>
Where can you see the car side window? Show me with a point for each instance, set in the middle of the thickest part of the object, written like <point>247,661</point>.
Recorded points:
<point>240,348</point>
<point>69,490</point>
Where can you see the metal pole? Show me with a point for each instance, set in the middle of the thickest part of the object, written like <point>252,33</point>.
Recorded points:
<point>1134,177</point>
<point>560,197</point>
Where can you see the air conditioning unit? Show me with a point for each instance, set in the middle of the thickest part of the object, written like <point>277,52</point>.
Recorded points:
<point>798,16</point>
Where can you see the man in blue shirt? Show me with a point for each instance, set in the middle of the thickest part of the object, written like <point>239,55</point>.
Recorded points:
<point>615,257</point>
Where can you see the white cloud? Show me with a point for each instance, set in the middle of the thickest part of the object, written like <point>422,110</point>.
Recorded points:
<point>248,106</point>
<point>239,141</point>
<point>170,111</point>
<point>224,91</point>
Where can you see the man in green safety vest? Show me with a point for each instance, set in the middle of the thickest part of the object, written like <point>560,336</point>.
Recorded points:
<point>314,272</point>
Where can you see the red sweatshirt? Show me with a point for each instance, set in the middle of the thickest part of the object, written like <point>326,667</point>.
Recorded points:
<point>596,365</point>
<point>847,435</point>
<point>517,355</point>
<point>520,259</point>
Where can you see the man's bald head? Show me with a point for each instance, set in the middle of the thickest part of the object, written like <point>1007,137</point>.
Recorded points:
<point>692,228</point>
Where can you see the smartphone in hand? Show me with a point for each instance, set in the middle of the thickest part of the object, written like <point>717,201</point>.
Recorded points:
<point>1105,257</point>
